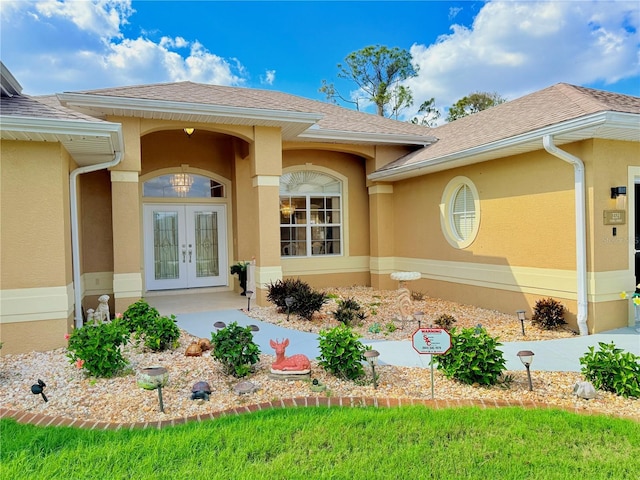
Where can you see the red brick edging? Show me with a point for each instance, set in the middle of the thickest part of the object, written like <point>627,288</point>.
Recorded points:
<point>46,420</point>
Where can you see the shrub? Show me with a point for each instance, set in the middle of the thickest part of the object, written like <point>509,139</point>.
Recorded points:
<point>348,311</point>
<point>145,323</point>
<point>341,353</point>
<point>473,357</point>
<point>548,314</point>
<point>305,300</point>
<point>613,370</point>
<point>139,315</point>
<point>96,348</point>
<point>417,296</point>
<point>161,334</point>
<point>234,348</point>
<point>445,321</point>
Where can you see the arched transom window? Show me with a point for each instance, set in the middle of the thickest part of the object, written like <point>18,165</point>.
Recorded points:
<point>310,214</point>
<point>182,185</point>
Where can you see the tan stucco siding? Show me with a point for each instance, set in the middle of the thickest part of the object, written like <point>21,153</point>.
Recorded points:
<point>173,148</point>
<point>526,214</point>
<point>610,169</point>
<point>96,227</point>
<point>34,197</point>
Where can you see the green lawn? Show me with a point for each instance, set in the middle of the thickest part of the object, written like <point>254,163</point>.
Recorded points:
<point>349,443</point>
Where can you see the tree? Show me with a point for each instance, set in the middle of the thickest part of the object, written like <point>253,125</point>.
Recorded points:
<point>378,71</point>
<point>473,103</point>
<point>430,114</point>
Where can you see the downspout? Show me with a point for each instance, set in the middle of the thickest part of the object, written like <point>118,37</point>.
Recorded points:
<point>75,229</point>
<point>581,229</point>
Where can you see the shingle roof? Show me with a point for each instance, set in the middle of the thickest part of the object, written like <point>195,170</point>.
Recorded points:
<point>334,116</point>
<point>40,107</point>
<point>550,106</point>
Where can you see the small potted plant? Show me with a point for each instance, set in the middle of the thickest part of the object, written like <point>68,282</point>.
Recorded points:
<point>240,269</point>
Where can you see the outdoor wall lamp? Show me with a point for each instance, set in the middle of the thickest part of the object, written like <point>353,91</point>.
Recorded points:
<point>372,359</point>
<point>288,301</point>
<point>526,357</point>
<point>617,191</point>
<point>522,317</point>
<point>189,131</point>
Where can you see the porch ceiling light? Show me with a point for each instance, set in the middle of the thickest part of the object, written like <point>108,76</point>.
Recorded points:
<point>181,183</point>
<point>189,131</point>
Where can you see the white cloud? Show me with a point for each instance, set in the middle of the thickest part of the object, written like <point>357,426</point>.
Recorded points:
<point>514,48</point>
<point>101,17</point>
<point>268,78</point>
<point>93,52</point>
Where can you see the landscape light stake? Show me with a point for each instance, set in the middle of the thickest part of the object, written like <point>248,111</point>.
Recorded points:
<point>372,358</point>
<point>522,317</point>
<point>288,301</point>
<point>526,357</point>
<point>249,295</point>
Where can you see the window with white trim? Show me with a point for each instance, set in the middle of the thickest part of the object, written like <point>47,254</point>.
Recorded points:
<point>310,214</point>
<point>460,212</point>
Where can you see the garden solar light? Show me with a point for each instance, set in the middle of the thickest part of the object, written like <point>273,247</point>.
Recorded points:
<point>372,358</point>
<point>288,301</point>
<point>38,388</point>
<point>526,357</point>
<point>254,328</point>
<point>249,295</point>
<point>522,317</point>
<point>219,325</point>
<point>419,316</point>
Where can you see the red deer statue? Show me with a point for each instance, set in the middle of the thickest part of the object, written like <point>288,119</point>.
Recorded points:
<point>293,364</point>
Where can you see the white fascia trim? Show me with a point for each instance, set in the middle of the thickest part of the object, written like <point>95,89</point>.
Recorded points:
<point>615,119</point>
<point>10,85</point>
<point>365,137</point>
<point>164,106</point>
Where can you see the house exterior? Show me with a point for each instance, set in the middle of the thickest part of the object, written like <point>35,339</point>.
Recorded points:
<point>135,189</point>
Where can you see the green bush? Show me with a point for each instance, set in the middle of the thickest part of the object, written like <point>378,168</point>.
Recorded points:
<point>96,348</point>
<point>305,300</point>
<point>613,370</point>
<point>147,326</point>
<point>548,314</point>
<point>473,357</point>
<point>348,311</point>
<point>234,348</point>
<point>341,353</point>
<point>139,315</point>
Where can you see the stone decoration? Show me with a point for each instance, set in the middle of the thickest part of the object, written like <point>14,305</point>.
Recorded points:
<point>295,364</point>
<point>584,390</point>
<point>193,350</point>
<point>102,313</point>
<point>200,391</point>
<point>205,344</point>
<point>245,387</point>
<point>404,295</point>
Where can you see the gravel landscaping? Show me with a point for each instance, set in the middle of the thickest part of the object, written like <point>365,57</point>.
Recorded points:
<point>73,395</point>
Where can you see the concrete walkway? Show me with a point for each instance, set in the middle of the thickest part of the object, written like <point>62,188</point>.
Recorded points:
<point>560,355</point>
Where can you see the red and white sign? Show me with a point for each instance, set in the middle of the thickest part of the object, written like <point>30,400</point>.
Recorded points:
<point>431,341</point>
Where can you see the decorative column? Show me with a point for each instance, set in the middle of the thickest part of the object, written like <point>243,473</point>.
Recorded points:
<point>381,232</point>
<point>258,200</point>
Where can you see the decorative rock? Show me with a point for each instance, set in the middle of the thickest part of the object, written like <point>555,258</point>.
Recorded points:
<point>245,387</point>
<point>584,390</point>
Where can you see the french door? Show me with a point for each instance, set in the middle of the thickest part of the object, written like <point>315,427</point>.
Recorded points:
<point>185,246</point>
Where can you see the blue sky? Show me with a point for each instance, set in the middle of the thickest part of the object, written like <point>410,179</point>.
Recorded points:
<point>512,48</point>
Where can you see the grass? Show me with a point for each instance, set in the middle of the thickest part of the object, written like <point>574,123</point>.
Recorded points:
<point>323,443</point>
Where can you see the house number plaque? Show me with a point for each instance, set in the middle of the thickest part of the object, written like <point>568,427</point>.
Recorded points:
<point>615,217</point>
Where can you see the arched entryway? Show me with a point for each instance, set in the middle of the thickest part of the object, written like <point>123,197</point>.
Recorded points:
<point>184,231</point>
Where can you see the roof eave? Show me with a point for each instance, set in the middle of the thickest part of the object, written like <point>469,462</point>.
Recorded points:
<point>87,142</point>
<point>343,136</point>
<point>108,105</point>
<point>8,83</point>
<point>486,152</point>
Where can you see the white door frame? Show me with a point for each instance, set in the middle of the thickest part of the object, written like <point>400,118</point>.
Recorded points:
<point>187,277</point>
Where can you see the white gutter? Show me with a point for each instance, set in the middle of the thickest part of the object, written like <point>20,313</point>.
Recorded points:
<point>581,232</point>
<point>75,230</point>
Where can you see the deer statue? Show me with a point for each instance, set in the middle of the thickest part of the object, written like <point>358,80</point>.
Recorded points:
<point>294,364</point>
